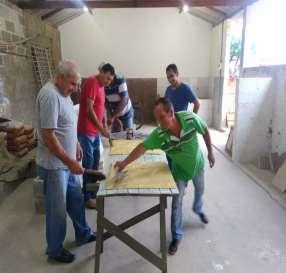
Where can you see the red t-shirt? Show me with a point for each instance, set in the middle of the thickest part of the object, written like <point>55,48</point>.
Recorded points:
<point>93,90</point>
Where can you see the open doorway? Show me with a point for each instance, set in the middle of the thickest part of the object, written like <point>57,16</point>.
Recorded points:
<point>231,62</point>
<point>232,69</point>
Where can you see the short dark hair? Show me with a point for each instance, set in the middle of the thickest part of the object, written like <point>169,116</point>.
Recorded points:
<point>167,104</point>
<point>172,67</point>
<point>107,68</point>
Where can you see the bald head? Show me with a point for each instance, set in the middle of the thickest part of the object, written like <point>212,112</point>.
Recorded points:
<point>66,77</point>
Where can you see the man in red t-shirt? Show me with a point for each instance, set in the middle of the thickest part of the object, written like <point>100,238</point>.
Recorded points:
<point>91,122</point>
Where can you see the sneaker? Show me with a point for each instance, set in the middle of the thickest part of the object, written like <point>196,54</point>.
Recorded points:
<point>173,247</point>
<point>64,257</point>
<point>92,238</point>
<point>203,218</point>
<point>90,204</point>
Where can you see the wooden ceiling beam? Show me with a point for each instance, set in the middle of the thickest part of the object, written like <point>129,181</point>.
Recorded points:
<point>41,4</point>
<point>50,14</point>
<point>220,12</point>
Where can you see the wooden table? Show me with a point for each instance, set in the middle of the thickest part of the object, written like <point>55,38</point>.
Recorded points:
<point>118,230</point>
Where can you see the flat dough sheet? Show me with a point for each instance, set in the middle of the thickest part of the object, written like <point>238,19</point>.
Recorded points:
<point>126,146</point>
<point>143,175</point>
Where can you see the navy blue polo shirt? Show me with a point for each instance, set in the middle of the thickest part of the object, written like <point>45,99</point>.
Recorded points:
<point>181,96</point>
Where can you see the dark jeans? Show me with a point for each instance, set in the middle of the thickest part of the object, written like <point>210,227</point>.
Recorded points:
<point>63,195</point>
<point>91,157</point>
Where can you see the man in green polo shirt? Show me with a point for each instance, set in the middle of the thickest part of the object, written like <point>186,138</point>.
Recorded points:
<point>177,137</point>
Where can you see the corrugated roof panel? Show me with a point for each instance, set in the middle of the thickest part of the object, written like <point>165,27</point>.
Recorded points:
<point>206,14</point>
<point>228,9</point>
<point>211,15</point>
<point>64,16</point>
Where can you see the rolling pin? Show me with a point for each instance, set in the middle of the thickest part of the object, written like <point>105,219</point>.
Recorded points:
<point>92,176</point>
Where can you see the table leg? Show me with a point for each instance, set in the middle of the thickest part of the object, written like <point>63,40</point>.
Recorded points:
<point>102,211</point>
<point>99,232</point>
<point>163,205</point>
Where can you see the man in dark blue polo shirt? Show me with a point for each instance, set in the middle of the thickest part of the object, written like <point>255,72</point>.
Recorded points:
<point>179,93</point>
<point>119,107</point>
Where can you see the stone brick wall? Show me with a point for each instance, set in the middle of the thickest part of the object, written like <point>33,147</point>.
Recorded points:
<point>16,69</point>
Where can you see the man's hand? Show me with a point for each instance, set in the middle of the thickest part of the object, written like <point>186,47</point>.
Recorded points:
<point>110,142</point>
<point>211,159</point>
<point>110,121</point>
<point>79,153</point>
<point>105,132</point>
<point>135,154</point>
<point>120,165</point>
<point>57,149</point>
<point>75,167</point>
<point>118,124</point>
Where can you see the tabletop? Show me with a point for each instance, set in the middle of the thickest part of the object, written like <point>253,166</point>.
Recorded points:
<point>109,159</point>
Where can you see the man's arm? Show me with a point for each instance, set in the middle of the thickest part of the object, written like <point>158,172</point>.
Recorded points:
<point>196,106</point>
<point>192,98</point>
<point>135,154</point>
<point>79,152</point>
<point>56,149</point>
<point>150,143</point>
<point>207,139</point>
<point>91,114</point>
<point>104,124</point>
<point>107,106</point>
<point>123,93</point>
<point>120,107</point>
<point>114,115</point>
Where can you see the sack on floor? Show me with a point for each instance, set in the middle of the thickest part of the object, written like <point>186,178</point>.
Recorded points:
<point>17,148</point>
<point>17,141</point>
<point>21,153</point>
<point>14,132</point>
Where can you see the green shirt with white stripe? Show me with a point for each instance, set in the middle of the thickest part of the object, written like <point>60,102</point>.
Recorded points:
<point>187,157</point>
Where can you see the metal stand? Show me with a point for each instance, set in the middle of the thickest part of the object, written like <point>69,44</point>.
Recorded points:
<point>118,232</point>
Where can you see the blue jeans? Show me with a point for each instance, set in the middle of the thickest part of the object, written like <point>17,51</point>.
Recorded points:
<point>63,194</point>
<point>177,204</point>
<point>127,121</point>
<point>91,157</point>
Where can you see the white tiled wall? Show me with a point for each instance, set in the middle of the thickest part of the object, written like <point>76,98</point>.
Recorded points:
<point>253,118</point>
<point>279,113</point>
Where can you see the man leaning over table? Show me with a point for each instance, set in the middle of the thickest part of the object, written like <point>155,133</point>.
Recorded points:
<point>177,137</point>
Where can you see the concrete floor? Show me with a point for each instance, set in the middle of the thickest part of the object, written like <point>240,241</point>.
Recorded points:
<point>247,232</point>
<point>219,140</point>
<point>261,177</point>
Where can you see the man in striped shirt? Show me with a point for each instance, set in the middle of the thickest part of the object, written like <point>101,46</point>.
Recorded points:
<point>177,137</point>
<point>118,105</point>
